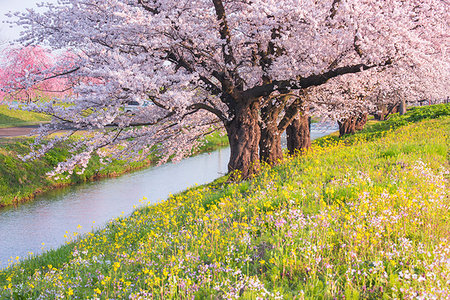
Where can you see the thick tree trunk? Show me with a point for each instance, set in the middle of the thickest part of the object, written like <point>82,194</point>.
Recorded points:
<point>243,135</point>
<point>270,150</point>
<point>402,107</point>
<point>361,121</point>
<point>299,134</point>
<point>347,126</point>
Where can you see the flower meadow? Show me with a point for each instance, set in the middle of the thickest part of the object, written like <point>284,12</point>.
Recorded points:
<point>363,217</point>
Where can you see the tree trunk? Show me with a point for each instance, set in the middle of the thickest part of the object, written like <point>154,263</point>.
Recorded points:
<point>361,121</point>
<point>299,134</point>
<point>270,150</point>
<point>243,135</point>
<point>347,126</point>
<point>382,113</point>
<point>392,109</point>
<point>402,107</point>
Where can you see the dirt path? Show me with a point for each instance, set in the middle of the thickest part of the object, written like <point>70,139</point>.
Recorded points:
<point>17,131</point>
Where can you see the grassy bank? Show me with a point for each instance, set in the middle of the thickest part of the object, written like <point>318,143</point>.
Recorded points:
<point>363,217</point>
<point>13,118</point>
<point>21,181</point>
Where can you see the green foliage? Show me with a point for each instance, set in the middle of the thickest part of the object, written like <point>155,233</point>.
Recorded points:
<point>12,118</point>
<point>212,142</point>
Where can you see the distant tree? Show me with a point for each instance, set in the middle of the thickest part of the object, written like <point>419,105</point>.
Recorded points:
<point>18,65</point>
<point>351,98</point>
<point>208,62</point>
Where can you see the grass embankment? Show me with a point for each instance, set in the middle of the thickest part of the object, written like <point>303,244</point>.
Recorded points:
<point>13,118</point>
<point>366,216</point>
<point>21,181</point>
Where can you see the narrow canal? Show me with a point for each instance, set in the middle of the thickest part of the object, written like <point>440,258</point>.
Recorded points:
<point>42,224</point>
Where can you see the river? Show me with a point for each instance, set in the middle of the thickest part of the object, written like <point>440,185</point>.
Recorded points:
<point>41,224</point>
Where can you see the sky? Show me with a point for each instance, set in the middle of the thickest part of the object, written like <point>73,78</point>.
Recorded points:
<point>9,34</point>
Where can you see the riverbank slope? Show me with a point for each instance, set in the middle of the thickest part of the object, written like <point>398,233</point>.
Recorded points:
<point>365,216</point>
<point>15,117</point>
<point>21,181</point>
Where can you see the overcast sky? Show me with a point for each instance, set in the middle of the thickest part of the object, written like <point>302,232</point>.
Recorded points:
<point>8,34</point>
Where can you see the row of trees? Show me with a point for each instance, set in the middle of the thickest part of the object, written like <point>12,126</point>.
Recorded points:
<point>255,68</point>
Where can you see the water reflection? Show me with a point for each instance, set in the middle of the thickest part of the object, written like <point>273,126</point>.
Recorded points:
<point>49,216</point>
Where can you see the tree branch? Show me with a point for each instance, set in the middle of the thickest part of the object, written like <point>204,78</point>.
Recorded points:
<point>333,10</point>
<point>303,83</point>
<point>225,34</point>
<point>181,62</point>
<point>290,113</point>
<point>60,74</point>
<point>215,111</point>
<point>148,8</point>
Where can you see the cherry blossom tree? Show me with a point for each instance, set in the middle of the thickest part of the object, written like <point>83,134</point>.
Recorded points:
<point>19,64</point>
<point>349,99</point>
<point>203,63</point>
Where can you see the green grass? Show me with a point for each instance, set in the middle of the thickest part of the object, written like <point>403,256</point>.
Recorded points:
<point>363,217</point>
<point>376,129</point>
<point>20,181</point>
<point>14,118</point>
